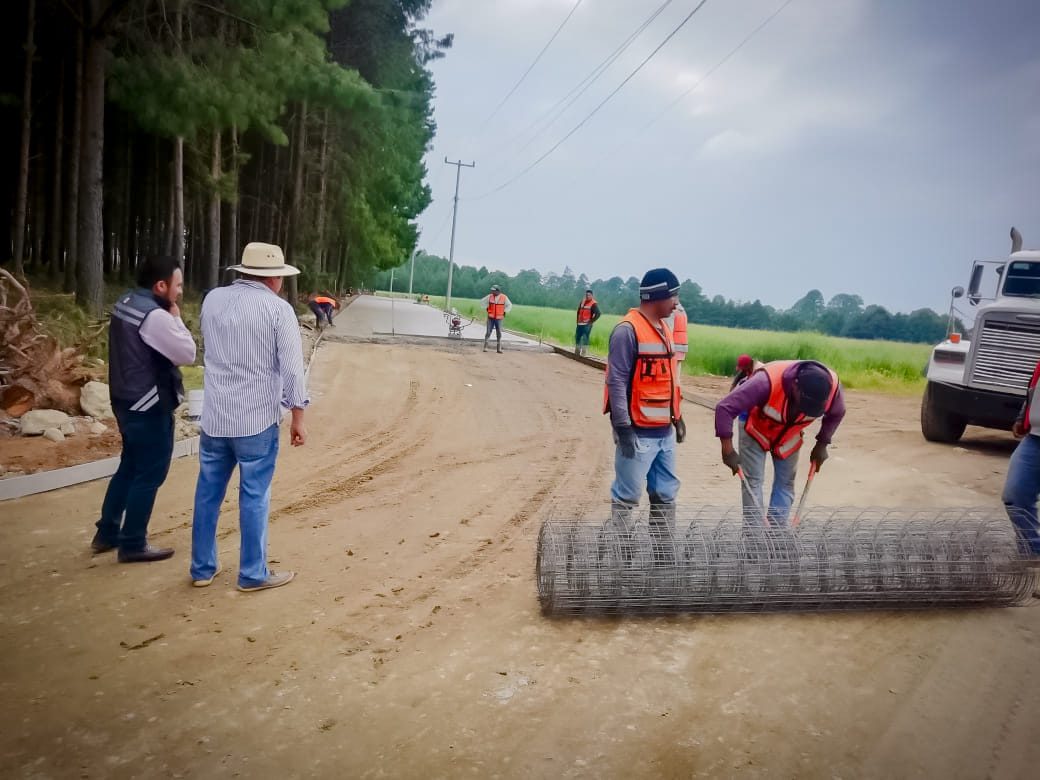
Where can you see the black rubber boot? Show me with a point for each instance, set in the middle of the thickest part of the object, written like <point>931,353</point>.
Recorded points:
<point>662,531</point>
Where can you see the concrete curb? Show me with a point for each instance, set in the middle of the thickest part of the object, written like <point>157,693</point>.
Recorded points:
<point>692,398</point>
<point>45,481</point>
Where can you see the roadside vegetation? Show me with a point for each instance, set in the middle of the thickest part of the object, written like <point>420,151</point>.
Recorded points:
<point>885,366</point>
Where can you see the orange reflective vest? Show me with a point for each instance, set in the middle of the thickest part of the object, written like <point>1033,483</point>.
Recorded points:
<point>324,299</point>
<point>769,424</point>
<point>653,399</point>
<point>585,312</point>
<point>496,309</point>
<point>682,341</point>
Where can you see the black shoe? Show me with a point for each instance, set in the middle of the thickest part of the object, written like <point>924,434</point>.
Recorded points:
<point>146,554</point>
<point>99,545</point>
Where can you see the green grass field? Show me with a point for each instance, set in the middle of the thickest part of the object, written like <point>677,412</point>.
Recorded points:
<point>887,366</point>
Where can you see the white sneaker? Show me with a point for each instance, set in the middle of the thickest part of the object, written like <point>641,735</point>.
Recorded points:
<point>274,580</point>
<point>204,583</point>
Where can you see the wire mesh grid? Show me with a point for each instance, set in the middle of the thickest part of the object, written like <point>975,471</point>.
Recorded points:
<point>714,560</point>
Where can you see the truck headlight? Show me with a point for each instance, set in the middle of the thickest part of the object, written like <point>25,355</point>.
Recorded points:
<point>950,357</point>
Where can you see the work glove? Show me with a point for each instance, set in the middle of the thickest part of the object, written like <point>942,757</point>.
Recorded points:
<point>626,440</point>
<point>818,455</point>
<point>732,459</point>
<point>680,431</point>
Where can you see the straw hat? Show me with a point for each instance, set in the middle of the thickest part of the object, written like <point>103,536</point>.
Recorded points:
<point>264,260</point>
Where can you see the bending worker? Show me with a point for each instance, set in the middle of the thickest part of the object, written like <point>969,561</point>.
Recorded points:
<point>781,400</point>
<point>1023,477</point>
<point>323,306</point>
<point>497,306</point>
<point>644,403</point>
<point>588,313</point>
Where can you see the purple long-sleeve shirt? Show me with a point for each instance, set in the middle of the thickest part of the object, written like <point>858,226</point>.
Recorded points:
<point>755,392</point>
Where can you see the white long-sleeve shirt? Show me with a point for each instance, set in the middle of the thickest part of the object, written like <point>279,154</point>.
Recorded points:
<point>169,336</point>
<point>254,360</point>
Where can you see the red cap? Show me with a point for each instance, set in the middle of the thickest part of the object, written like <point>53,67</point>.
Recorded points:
<point>744,361</point>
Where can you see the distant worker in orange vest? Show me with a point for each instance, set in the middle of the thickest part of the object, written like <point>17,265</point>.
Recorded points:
<point>645,408</point>
<point>588,313</point>
<point>497,306</point>
<point>781,399</point>
<point>323,306</point>
<point>746,366</point>
<point>677,322</point>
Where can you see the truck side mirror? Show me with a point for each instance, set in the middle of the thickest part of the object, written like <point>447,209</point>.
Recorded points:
<point>975,283</point>
<point>957,292</point>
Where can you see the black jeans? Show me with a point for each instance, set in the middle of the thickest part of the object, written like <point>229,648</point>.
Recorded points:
<point>143,465</point>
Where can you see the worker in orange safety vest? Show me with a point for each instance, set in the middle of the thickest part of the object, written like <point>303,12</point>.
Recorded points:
<point>678,322</point>
<point>323,306</point>
<point>781,399</point>
<point>645,407</point>
<point>588,313</point>
<point>497,306</point>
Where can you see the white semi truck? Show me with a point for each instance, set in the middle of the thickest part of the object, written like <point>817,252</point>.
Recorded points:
<point>980,377</point>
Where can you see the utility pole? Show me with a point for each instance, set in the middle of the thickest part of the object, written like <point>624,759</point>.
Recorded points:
<point>459,165</point>
<point>411,273</point>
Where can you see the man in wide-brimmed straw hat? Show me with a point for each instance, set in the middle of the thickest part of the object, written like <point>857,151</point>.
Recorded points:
<point>254,370</point>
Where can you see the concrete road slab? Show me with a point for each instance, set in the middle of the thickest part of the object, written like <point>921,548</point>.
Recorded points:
<point>371,315</point>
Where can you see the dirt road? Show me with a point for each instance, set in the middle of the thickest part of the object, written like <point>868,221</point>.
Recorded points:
<point>411,644</point>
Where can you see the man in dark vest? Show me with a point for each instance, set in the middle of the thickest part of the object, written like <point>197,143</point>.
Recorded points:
<point>147,341</point>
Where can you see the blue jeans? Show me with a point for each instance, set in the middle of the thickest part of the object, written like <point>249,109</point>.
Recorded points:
<point>652,466</point>
<point>1021,490</point>
<point>255,457</point>
<point>493,325</point>
<point>143,465</point>
<point>581,335</point>
<point>753,462</point>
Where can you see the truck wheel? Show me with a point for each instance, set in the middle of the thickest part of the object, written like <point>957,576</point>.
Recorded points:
<point>939,424</point>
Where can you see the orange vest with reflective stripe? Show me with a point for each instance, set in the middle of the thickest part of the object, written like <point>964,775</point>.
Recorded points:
<point>496,309</point>
<point>769,425</point>
<point>585,312</point>
<point>682,341</point>
<point>324,299</point>
<point>653,399</point>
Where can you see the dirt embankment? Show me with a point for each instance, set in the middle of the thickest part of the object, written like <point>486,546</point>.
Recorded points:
<point>411,643</point>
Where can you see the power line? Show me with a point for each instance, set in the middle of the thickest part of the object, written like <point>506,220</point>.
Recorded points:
<point>582,86</point>
<point>614,151</point>
<point>715,67</point>
<point>530,67</point>
<point>600,105</point>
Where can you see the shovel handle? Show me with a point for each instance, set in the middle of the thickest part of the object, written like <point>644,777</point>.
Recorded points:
<point>805,495</point>
<point>754,498</point>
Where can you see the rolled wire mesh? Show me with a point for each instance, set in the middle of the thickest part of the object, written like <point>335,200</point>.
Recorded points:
<point>715,560</point>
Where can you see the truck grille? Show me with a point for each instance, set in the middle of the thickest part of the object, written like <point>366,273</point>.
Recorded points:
<point>1006,354</point>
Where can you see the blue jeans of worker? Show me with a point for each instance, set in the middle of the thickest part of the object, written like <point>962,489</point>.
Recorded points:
<point>1021,490</point>
<point>493,325</point>
<point>255,457</point>
<point>653,467</point>
<point>753,462</point>
<point>143,465</point>
<point>581,335</point>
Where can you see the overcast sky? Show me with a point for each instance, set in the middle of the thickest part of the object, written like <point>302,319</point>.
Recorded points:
<point>852,146</point>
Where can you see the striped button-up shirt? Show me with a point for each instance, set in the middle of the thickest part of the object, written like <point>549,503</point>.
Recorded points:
<point>254,360</point>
